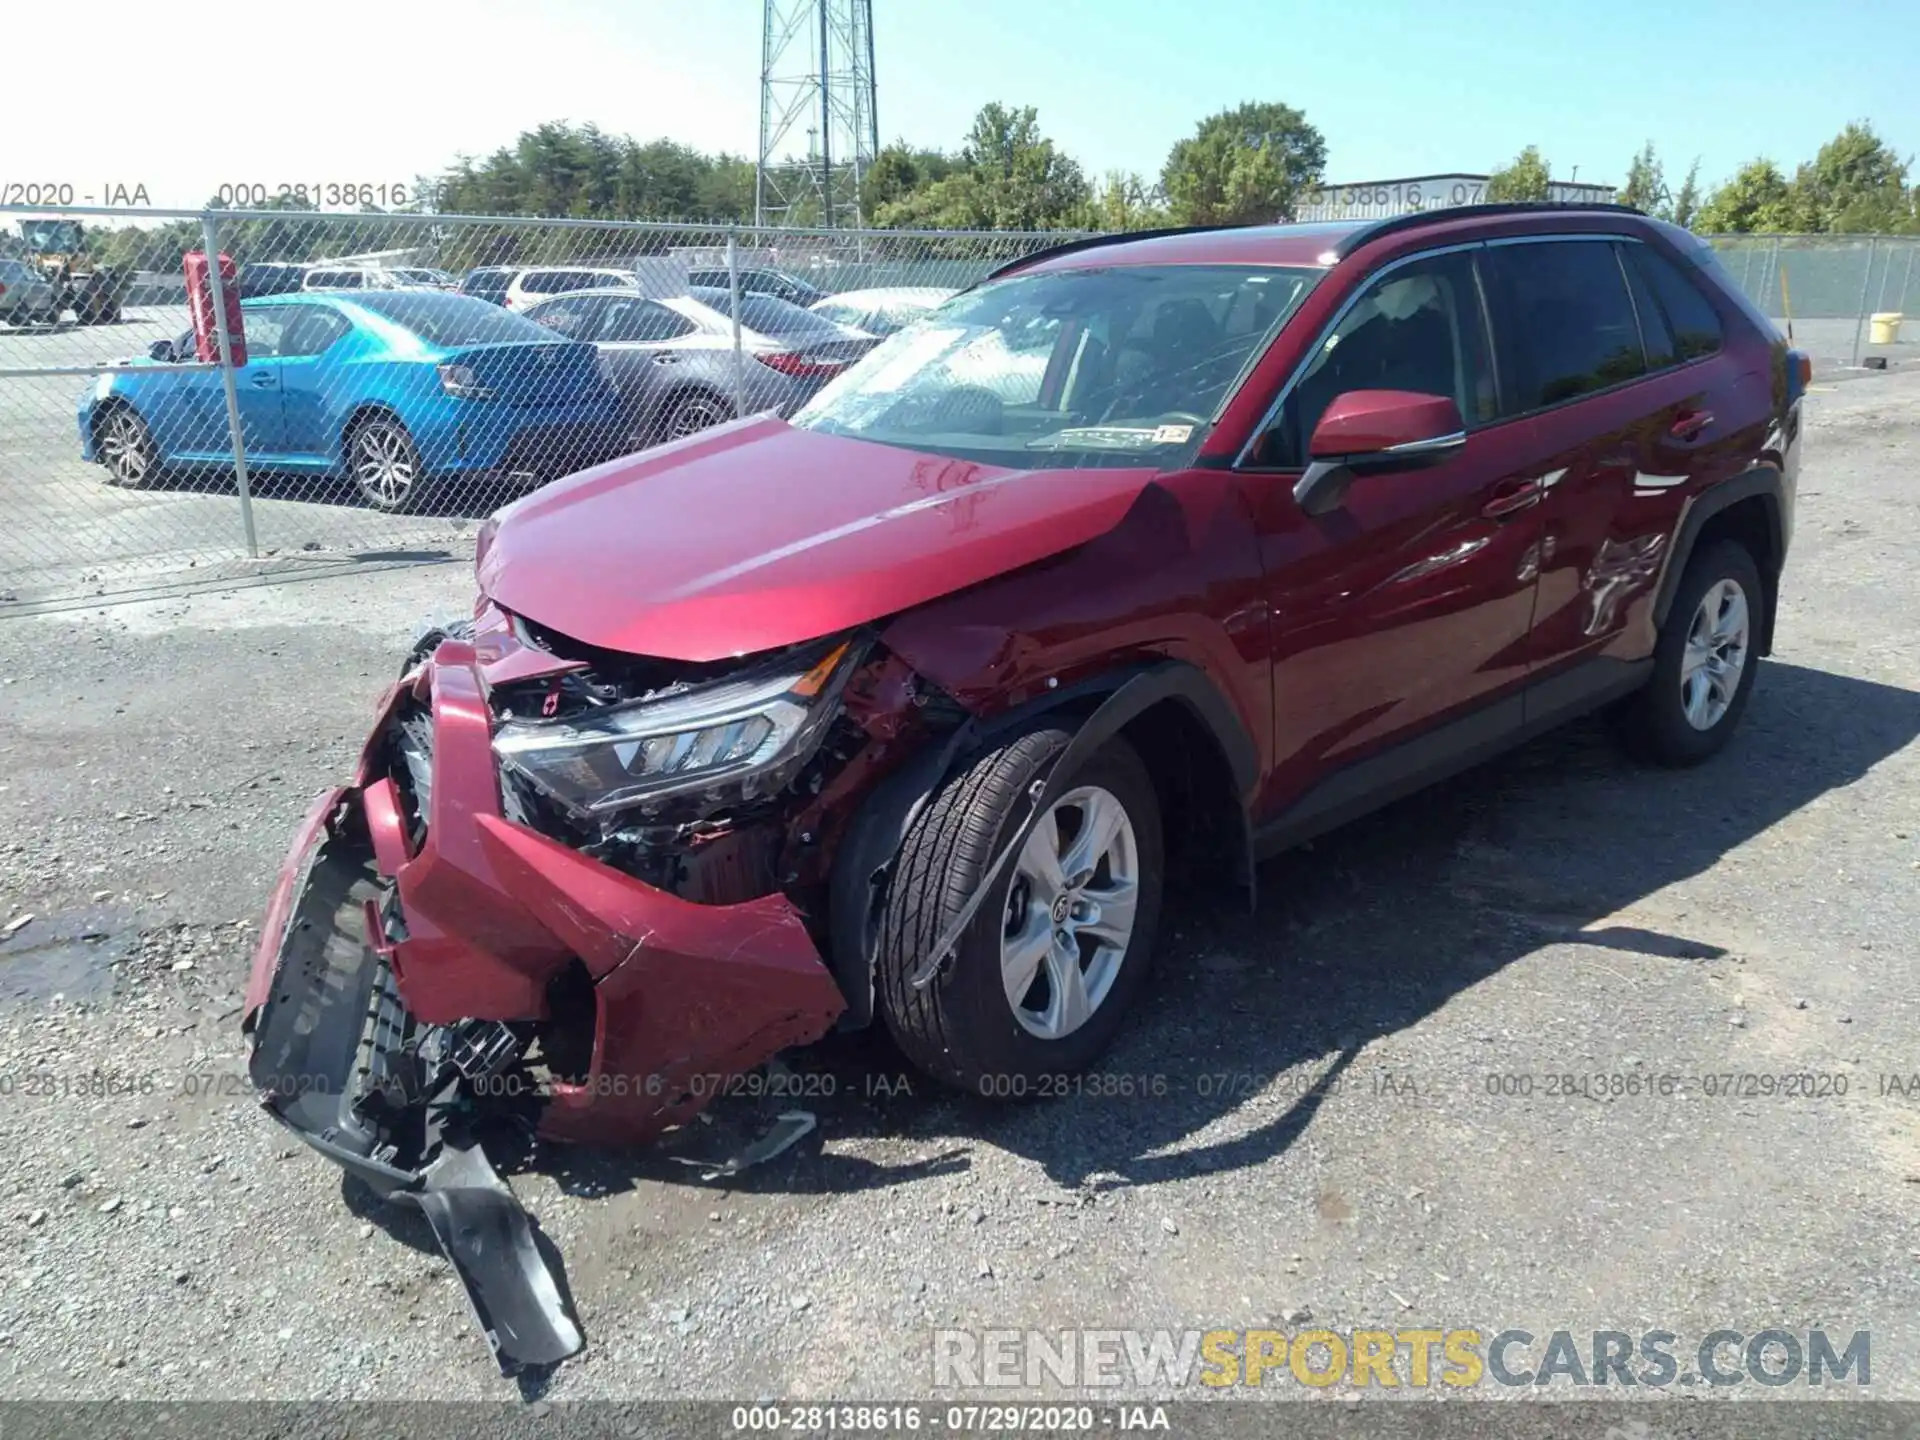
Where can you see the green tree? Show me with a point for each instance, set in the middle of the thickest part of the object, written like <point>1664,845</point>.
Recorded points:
<point>899,170</point>
<point>1010,177</point>
<point>1755,200</point>
<point>1125,202</point>
<point>1856,176</point>
<point>1525,179</point>
<point>1686,204</point>
<point>1645,189</point>
<point>1246,165</point>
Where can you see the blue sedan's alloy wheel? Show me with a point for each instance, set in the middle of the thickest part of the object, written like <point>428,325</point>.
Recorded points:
<point>126,449</point>
<point>384,464</point>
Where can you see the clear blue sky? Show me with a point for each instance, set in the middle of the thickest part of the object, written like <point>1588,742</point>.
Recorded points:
<point>384,90</point>
<point>1406,87</point>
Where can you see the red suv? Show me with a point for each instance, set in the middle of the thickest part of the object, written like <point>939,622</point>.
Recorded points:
<point>1149,549</point>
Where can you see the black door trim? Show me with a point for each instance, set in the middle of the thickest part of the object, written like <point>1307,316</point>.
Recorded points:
<point>1456,745</point>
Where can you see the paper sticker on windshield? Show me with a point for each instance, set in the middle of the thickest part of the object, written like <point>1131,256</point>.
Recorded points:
<point>1172,434</point>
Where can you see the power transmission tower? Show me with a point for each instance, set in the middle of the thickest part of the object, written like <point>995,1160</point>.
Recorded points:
<point>816,78</point>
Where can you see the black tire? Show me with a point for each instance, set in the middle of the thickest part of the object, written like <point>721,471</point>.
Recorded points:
<point>690,412</point>
<point>384,464</point>
<point>961,1029</point>
<point>125,447</point>
<point>1653,722</point>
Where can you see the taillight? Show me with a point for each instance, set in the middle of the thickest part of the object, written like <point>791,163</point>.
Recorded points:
<point>1806,369</point>
<point>799,366</point>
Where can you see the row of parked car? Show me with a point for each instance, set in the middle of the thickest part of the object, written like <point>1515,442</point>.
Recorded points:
<point>402,378</point>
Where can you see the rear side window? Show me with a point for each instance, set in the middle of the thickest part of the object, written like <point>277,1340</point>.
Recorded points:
<point>1569,320</point>
<point>311,332</point>
<point>641,320</point>
<point>574,319</point>
<point>1691,317</point>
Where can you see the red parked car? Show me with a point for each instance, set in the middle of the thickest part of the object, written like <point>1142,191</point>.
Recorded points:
<point>1152,548</point>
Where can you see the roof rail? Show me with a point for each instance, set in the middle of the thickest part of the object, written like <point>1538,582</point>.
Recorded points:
<point>1367,234</point>
<point>1090,242</point>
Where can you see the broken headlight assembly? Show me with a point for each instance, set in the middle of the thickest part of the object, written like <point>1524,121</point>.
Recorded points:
<point>741,737</point>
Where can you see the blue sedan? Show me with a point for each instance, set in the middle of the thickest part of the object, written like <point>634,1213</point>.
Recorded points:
<point>395,390</point>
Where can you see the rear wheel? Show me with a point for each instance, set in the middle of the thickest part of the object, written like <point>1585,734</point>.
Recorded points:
<point>385,464</point>
<point>1704,664</point>
<point>690,414</point>
<point>125,446</point>
<point>1042,977</point>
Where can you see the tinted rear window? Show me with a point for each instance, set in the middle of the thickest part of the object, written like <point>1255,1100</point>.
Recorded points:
<point>770,316</point>
<point>441,318</point>
<point>1693,320</point>
<point>1571,318</point>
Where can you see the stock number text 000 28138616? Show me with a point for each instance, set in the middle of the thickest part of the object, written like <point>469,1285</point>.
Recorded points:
<point>320,195</point>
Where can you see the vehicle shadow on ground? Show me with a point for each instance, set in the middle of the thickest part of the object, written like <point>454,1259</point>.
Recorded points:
<point>1366,932</point>
<point>459,498</point>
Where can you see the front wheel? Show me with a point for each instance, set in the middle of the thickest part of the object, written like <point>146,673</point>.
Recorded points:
<point>385,465</point>
<point>125,446</point>
<point>1041,979</point>
<point>1704,663</point>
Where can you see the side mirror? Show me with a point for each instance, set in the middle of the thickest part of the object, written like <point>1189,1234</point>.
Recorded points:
<point>161,350</point>
<point>1367,432</point>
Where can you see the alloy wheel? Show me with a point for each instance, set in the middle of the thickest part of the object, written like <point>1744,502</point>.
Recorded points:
<point>1716,654</point>
<point>690,417</point>
<point>384,464</point>
<point>124,447</point>
<point>1070,912</point>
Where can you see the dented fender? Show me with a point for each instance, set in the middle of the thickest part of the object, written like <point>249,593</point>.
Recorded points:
<point>864,863</point>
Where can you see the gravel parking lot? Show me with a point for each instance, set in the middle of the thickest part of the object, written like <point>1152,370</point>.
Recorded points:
<point>1558,912</point>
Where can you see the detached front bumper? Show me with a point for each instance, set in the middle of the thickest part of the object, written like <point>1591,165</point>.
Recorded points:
<point>407,985</point>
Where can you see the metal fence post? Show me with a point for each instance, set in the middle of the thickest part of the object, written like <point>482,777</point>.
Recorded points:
<point>210,238</point>
<point>733,288</point>
<point>1866,282</point>
<point>1906,280</point>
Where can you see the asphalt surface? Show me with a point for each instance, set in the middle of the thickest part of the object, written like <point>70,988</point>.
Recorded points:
<point>68,533</point>
<point>1558,912</point>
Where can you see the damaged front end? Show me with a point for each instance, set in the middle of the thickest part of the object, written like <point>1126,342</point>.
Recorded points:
<point>568,889</point>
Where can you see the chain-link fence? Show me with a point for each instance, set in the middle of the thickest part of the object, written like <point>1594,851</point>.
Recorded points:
<point>1830,288</point>
<point>381,408</point>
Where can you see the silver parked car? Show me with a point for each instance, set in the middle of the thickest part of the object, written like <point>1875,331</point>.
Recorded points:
<point>672,359</point>
<point>26,295</point>
<point>883,311</point>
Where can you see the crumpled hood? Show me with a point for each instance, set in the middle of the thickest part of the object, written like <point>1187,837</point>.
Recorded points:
<point>755,535</point>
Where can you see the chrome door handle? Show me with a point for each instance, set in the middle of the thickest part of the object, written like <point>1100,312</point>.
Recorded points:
<point>1512,500</point>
